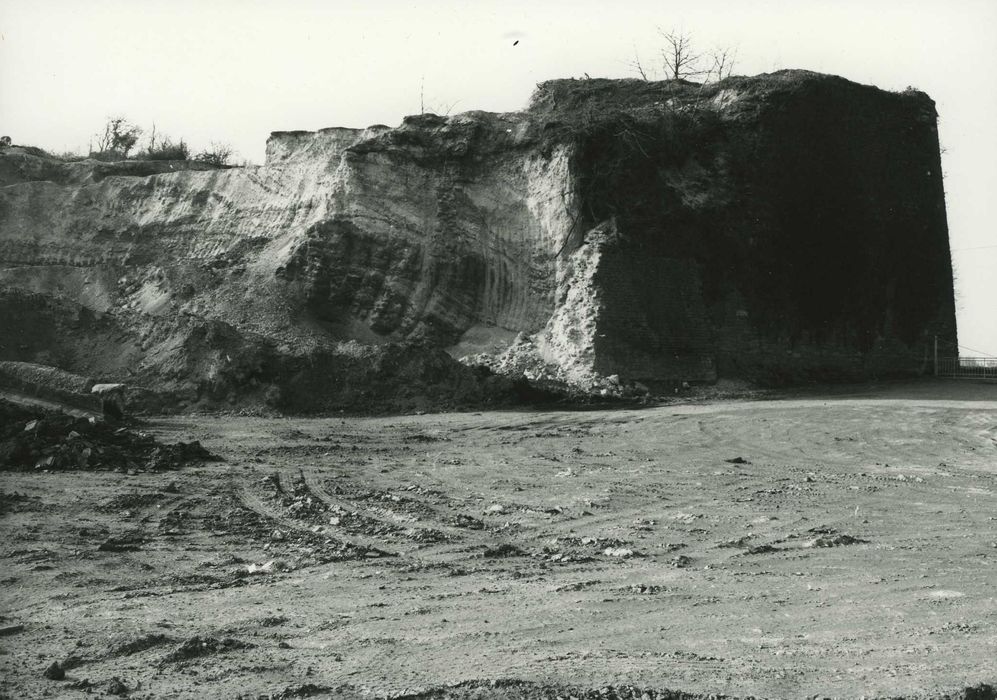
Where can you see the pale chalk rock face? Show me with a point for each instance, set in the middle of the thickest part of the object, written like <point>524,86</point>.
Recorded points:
<point>649,232</point>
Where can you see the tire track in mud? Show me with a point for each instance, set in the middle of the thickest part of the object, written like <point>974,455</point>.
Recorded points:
<point>543,536</point>
<point>331,507</point>
<point>441,540</point>
<point>292,534</point>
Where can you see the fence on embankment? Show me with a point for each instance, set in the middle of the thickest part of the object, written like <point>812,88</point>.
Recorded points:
<point>977,367</point>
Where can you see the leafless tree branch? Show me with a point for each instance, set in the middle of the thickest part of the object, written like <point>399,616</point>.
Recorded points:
<point>724,59</point>
<point>677,55</point>
<point>638,66</point>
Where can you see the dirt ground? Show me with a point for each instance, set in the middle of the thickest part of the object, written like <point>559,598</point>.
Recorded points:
<point>840,544</point>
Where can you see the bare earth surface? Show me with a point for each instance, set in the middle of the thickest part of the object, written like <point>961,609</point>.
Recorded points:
<point>843,545</point>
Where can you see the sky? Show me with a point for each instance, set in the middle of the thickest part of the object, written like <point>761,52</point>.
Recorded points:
<point>232,71</point>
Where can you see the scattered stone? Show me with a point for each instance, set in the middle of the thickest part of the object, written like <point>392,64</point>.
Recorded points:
<point>621,552</point>
<point>125,543</point>
<point>687,518</point>
<point>55,672</point>
<point>762,549</point>
<point>198,646</point>
<point>116,687</point>
<point>273,621</point>
<point>269,567</point>
<point>147,641</point>
<point>681,561</point>
<point>305,690</point>
<point>576,586</point>
<point>468,522</point>
<point>737,460</point>
<point>835,541</point>
<point>739,543</point>
<point>503,550</point>
<point>72,661</point>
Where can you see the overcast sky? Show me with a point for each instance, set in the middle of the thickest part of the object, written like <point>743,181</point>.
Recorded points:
<point>234,70</point>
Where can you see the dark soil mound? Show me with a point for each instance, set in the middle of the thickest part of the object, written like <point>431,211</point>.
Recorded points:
<point>32,438</point>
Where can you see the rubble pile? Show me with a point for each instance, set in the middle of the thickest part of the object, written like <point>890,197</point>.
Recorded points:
<point>32,438</point>
<point>203,646</point>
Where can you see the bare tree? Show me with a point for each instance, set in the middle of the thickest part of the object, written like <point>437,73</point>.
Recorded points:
<point>219,154</point>
<point>680,61</point>
<point>638,66</point>
<point>119,137</point>
<point>163,147</point>
<point>724,59</point>
<point>152,138</point>
<point>677,55</point>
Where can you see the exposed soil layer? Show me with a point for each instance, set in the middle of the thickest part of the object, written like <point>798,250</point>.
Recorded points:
<point>617,237</point>
<point>833,545</point>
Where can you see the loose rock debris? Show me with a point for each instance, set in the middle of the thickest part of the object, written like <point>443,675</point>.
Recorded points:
<point>125,543</point>
<point>116,687</point>
<point>503,550</point>
<point>37,439</point>
<point>270,567</point>
<point>203,646</point>
<point>836,540</point>
<point>55,672</point>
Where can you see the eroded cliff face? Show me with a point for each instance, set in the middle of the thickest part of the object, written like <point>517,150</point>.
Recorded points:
<point>776,228</point>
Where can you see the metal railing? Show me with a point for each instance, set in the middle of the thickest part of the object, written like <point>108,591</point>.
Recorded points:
<point>967,367</point>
